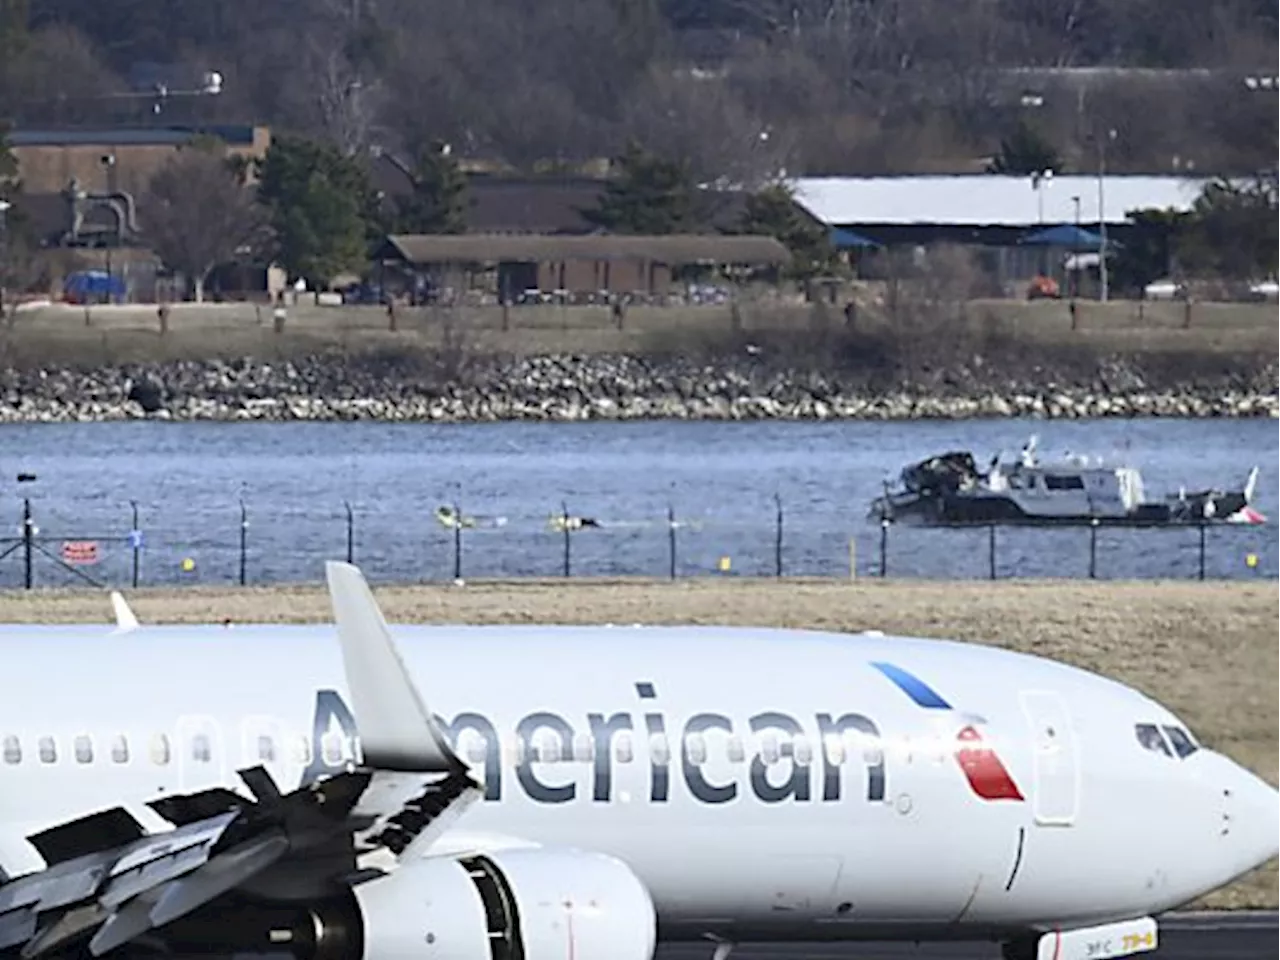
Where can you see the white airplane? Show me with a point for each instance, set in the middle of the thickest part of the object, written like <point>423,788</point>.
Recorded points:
<point>581,792</point>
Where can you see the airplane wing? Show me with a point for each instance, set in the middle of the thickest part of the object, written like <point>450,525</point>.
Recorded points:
<point>109,882</point>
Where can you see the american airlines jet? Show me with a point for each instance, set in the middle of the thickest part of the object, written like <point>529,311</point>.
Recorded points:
<point>577,793</point>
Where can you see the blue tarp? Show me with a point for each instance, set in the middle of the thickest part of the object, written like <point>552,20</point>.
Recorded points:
<point>1066,235</point>
<point>843,239</point>
<point>93,283</point>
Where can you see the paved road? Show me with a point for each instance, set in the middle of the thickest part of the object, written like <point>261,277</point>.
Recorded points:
<point>1185,936</point>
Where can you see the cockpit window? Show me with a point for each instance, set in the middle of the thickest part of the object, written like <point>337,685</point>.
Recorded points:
<point>1149,737</point>
<point>1183,745</point>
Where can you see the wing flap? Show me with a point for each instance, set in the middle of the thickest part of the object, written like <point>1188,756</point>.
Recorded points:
<point>142,878</point>
<point>68,927</point>
<point>100,831</point>
<point>216,877</point>
<point>17,926</point>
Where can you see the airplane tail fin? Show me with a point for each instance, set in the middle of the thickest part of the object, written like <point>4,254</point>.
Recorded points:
<point>1251,485</point>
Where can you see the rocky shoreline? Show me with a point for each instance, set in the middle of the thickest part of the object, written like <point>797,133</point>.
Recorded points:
<point>569,388</point>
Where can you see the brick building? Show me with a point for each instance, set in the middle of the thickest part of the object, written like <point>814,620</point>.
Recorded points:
<point>115,159</point>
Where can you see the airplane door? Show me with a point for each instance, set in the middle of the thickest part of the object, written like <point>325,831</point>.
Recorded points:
<point>201,753</point>
<point>1056,776</point>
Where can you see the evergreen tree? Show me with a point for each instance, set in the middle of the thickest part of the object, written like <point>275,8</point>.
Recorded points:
<point>649,195</point>
<point>319,203</point>
<point>773,212</point>
<point>1024,152</point>
<point>438,203</point>
<point>1231,231</point>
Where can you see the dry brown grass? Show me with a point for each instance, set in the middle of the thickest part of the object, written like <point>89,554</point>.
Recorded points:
<point>196,331</point>
<point>1209,651</point>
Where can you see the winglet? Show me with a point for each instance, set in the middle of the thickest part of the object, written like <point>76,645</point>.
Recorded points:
<point>125,620</point>
<point>397,731</point>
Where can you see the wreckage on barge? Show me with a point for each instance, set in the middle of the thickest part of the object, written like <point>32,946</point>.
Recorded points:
<point>950,490</point>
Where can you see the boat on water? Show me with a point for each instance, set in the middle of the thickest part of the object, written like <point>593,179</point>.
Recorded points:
<point>950,490</point>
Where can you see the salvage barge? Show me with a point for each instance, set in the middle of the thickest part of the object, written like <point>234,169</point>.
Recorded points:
<point>949,490</point>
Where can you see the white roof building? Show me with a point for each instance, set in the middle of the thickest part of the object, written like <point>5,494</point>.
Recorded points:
<point>988,200</point>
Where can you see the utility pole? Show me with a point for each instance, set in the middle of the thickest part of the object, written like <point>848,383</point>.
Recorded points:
<point>1102,213</point>
<point>1075,274</point>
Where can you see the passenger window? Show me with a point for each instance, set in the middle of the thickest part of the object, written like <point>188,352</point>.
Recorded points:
<point>515,749</point>
<point>835,750</point>
<point>659,751</point>
<point>696,749</point>
<point>769,751</point>
<point>331,749</point>
<point>201,751</point>
<point>302,751</point>
<point>477,748</point>
<point>160,750</point>
<point>48,750</point>
<point>1183,745</point>
<point>12,750</point>
<point>622,750</point>
<point>736,751</point>
<point>120,749</point>
<point>266,750</point>
<point>803,752</point>
<point>83,749</point>
<point>584,748</point>
<point>1149,736</point>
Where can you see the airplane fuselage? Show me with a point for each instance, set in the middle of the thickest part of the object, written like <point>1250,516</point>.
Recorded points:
<point>760,783</point>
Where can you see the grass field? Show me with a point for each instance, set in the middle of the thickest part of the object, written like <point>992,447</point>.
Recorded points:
<point>117,334</point>
<point>1208,651</point>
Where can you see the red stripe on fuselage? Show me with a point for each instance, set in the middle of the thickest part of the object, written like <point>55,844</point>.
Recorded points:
<point>983,769</point>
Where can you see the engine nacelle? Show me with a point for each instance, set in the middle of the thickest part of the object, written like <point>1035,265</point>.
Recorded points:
<point>535,903</point>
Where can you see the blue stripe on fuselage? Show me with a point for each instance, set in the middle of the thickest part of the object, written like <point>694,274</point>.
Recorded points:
<point>915,688</point>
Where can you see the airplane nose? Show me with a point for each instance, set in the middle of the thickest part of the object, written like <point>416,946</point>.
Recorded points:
<point>1252,818</point>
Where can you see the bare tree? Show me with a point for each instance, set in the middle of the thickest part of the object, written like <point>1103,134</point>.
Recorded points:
<point>198,213</point>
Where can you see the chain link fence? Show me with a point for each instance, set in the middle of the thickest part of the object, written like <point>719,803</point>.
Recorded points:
<point>99,544</point>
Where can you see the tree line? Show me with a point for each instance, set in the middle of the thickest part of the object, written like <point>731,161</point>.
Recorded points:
<point>314,212</point>
<point>736,88</point>
<point>311,209</point>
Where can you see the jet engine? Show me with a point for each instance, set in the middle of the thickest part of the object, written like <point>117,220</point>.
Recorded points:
<point>519,904</point>
<point>531,904</point>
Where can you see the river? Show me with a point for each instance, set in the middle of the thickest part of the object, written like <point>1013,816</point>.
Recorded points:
<point>720,479</point>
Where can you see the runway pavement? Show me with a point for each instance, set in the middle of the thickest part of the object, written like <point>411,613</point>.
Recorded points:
<point>1240,935</point>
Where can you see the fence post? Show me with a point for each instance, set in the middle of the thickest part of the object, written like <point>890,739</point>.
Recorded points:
<point>671,539</point>
<point>351,532</point>
<point>457,541</point>
<point>135,541</point>
<point>1093,548</point>
<point>991,550</point>
<point>244,544</point>
<point>1202,545</point>
<point>564,515</point>
<point>884,548</point>
<point>28,543</point>
<point>777,542</point>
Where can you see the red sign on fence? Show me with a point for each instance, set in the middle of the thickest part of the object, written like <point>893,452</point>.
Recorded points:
<point>80,551</point>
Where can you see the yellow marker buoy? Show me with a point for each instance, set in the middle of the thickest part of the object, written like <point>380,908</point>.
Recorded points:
<point>1251,560</point>
<point>188,564</point>
<point>725,564</point>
